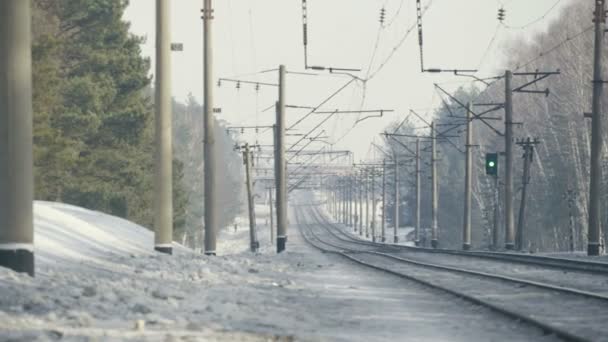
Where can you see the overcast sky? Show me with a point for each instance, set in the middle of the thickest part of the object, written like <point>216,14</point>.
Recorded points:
<point>256,35</point>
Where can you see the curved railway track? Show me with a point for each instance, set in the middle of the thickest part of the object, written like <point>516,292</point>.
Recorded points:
<point>593,267</point>
<point>539,304</point>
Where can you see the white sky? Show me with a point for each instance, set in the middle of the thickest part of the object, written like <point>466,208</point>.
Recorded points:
<point>255,35</point>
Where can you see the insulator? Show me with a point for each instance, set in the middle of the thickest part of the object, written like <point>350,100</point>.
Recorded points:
<point>257,87</point>
<point>219,83</point>
<point>238,85</point>
<point>242,130</point>
<point>502,13</point>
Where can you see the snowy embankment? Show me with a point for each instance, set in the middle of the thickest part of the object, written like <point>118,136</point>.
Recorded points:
<point>70,234</point>
<point>98,276</point>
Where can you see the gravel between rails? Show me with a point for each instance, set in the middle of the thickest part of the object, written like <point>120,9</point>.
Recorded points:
<point>576,314</point>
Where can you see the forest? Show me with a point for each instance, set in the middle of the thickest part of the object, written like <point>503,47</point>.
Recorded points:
<point>93,121</point>
<point>559,181</point>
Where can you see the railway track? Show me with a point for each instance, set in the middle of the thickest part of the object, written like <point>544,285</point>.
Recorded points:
<point>592,267</point>
<point>546,306</point>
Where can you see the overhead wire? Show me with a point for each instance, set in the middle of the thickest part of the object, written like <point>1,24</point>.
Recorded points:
<point>396,15</point>
<point>553,48</point>
<point>554,6</point>
<point>489,47</point>
<point>398,45</point>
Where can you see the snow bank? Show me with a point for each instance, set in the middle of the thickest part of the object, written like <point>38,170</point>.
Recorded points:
<point>65,233</point>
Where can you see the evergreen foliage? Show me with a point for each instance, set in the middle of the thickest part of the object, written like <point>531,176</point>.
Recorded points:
<point>93,113</point>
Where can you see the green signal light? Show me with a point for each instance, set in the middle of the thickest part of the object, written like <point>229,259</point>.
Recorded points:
<point>492,164</point>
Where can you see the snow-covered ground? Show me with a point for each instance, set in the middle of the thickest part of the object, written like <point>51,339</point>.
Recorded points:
<point>98,279</point>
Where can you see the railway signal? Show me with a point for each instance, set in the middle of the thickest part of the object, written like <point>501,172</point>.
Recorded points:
<point>492,164</point>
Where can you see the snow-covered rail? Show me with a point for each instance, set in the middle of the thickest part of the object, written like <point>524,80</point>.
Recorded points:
<point>544,305</point>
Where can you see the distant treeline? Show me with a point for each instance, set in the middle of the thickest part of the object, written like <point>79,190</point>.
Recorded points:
<point>561,161</point>
<point>94,119</point>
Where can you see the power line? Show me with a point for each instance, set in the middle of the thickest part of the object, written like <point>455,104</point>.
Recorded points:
<point>535,20</point>
<point>552,49</point>
<point>394,18</point>
<point>398,45</point>
<point>485,54</point>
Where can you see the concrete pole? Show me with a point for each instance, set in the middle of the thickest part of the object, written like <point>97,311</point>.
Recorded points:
<point>351,184</point>
<point>340,201</point>
<point>253,240</point>
<point>271,205</point>
<point>374,204</point>
<point>571,223</point>
<point>356,202</point>
<point>335,203</point>
<point>417,223</point>
<point>434,195</point>
<point>210,166</point>
<point>163,165</point>
<point>281,176</point>
<point>345,201</point>
<point>367,204</point>
<point>496,212</point>
<point>361,185</point>
<point>595,188</point>
<point>396,200</point>
<point>466,227</point>
<point>384,200</point>
<point>509,227</point>
<point>16,156</point>
<point>528,155</point>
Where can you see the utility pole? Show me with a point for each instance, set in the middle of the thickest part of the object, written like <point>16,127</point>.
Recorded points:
<point>336,189</point>
<point>528,146</point>
<point>374,204</point>
<point>384,200</point>
<point>361,185</point>
<point>367,221</point>
<point>570,196</point>
<point>595,187</point>
<point>466,229</point>
<point>281,167</point>
<point>496,212</point>
<point>348,203</point>
<point>351,191</point>
<point>16,151</point>
<point>355,200</point>
<point>434,197</point>
<point>509,228</point>
<point>163,188</point>
<point>396,200</point>
<point>341,201</point>
<point>210,166</point>
<point>271,215</point>
<point>253,239</point>
<point>338,200</point>
<point>345,201</point>
<point>417,227</point>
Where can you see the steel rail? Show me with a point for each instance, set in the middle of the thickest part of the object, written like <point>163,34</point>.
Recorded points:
<point>536,284</point>
<point>592,267</point>
<point>545,328</point>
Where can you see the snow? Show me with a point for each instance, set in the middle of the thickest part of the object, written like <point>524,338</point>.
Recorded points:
<point>99,279</point>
